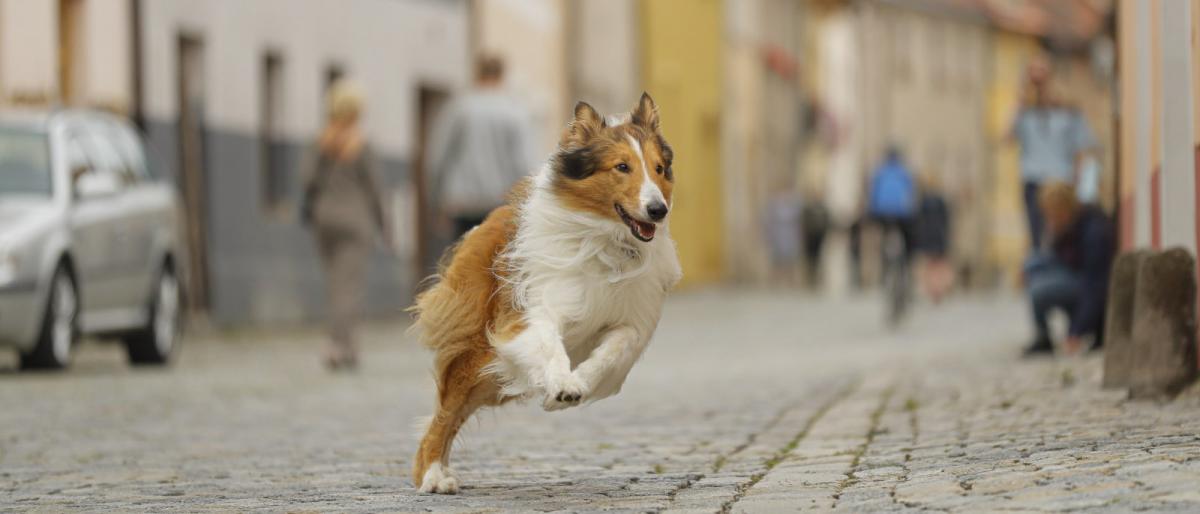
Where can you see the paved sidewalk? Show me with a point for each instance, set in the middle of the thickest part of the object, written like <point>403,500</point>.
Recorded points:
<point>745,402</point>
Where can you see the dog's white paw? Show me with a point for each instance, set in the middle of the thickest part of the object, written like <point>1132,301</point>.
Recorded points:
<point>438,480</point>
<point>565,391</point>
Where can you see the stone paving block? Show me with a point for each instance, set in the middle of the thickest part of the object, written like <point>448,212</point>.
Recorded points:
<point>796,480</point>
<point>765,506</point>
<point>927,491</point>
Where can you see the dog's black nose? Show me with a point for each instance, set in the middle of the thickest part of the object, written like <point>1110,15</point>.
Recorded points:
<point>657,210</point>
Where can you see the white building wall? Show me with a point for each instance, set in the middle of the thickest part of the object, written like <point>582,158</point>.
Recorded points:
<point>742,107</point>
<point>388,47</point>
<point>106,61</point>
<point>842,86</point>
<point>529,35</point>
<point>604,54</point>
<point>1178,182</point>
<point>28,49</point>
<point>29,53</point>
<point>262,264</point>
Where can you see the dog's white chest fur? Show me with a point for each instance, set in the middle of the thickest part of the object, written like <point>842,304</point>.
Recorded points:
<point>602,304</point>
<point>587,287</point>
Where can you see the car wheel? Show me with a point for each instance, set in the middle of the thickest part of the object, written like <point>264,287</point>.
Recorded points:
<point>59,326</point>
<point>156,342</point>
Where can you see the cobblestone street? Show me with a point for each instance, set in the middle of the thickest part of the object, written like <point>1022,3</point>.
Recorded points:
<point>745,402</point>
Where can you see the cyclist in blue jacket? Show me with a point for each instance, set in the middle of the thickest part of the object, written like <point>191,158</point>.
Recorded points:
<point>892,202</point>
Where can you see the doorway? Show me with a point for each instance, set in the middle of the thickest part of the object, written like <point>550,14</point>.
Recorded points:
<point>193,178</point>
<point>70,49</point>
<point>430,100</point>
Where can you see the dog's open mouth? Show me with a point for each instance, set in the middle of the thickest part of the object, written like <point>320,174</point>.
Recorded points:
<point>642,230</point>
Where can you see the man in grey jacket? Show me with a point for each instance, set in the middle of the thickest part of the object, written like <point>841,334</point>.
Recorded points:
<point>479,148</point>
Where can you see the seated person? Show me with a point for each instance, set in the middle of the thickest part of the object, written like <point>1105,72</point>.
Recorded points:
<point>1073,276</point>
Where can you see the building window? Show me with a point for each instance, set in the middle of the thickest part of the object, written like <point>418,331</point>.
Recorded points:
<point>71,48</point>
<point>273,155</point>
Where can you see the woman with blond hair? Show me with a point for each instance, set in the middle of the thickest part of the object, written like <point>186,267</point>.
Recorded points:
<point>341,205</point>
<point>1072,275</point>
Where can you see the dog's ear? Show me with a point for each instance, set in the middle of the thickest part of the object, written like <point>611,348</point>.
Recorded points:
<point>577,163</point>
<point>586,124</point>
<point>646,113</point>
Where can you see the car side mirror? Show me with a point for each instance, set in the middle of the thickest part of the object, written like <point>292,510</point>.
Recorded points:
<point>90,184</point>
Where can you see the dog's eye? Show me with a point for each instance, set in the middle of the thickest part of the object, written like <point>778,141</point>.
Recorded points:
<point>658,169</point>
<point>624,168</point>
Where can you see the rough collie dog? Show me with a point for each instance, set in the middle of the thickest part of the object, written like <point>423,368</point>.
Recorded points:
<point>556,294</point>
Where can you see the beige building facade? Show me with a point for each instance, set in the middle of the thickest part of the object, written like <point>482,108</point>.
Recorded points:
<point>67,52</point>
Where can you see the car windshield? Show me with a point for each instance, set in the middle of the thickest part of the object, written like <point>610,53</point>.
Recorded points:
<point>24,163</point>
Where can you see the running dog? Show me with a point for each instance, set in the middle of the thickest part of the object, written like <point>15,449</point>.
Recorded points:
<point>556,295</point>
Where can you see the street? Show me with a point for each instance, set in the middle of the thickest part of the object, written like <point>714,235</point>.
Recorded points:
<point>746,401</point>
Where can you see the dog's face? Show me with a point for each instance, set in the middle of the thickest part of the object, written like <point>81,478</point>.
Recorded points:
<point>619,169</point>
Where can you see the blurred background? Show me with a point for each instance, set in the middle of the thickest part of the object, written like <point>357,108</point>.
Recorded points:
<point>758,97</point>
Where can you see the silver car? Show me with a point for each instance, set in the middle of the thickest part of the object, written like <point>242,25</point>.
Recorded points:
<point>88,239</point>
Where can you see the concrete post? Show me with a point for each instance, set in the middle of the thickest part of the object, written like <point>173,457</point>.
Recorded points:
<point>1119,351</point>
<point>1164,325</point>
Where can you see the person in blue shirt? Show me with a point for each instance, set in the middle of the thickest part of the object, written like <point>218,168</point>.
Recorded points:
<point>1072,275</point>
<point>1054,139</point>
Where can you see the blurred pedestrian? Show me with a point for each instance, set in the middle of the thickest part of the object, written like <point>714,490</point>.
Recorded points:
<point>815,221</point>
<point>782,228</point>
<point>1072,275</point>
<point>933,239</point>
<point>892,199</point>
<point>892,203</point>
<point>1055,141</point>
<point>341,205</point>
<point>854,233</point>
<point>479,149</point>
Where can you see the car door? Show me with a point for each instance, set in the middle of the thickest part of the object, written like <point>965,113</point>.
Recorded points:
<point>95,198</point>
<point>127,282</point>
<point>145,215</point>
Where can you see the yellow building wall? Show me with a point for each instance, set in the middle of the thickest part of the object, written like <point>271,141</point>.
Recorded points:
<point>1010,239</point>
<point>681,69</point>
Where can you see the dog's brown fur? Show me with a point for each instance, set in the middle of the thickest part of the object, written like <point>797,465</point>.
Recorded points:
<point>455,317</point>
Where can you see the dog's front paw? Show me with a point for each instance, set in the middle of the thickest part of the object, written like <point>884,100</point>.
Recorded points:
<point>438,480</point>
<point>566,391</point>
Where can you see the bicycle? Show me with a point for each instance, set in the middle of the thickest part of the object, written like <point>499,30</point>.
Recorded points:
<point>897,276</point>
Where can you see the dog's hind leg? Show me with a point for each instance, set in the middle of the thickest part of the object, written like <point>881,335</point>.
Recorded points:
<point>461,390</point>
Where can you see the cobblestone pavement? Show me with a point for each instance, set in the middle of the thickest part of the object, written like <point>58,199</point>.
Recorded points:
<point>746,402</point>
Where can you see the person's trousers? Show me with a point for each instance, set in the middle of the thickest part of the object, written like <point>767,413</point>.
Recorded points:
<point>344,258</point>
<point>1051,286</point>
<point>1033,215</point>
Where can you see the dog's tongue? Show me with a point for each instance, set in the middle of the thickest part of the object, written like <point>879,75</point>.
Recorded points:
<point>646,230</point>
